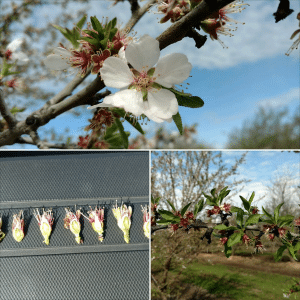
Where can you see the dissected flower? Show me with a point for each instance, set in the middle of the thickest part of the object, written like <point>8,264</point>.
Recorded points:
<point>72,222</point>
<point>271,236</point>
<point>281,231</point>
<point>45,222</point>
<point>184,222</point>
<point>96,218</point>
<point>174,227</point>
<point>84,141</point>
<point>216,210</point>
<point>142,91</point>
<point>123,215</point>
<point>18,226</point>
<point>255,210</point>
<point>146,220</point>
<point>2,234</point>
<point>189,215</point>
<point>12,53</point>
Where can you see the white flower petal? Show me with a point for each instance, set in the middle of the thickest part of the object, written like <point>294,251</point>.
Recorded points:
<point>14,45</point>
<point>122,54</point>
<point>162,104</point>
<point>172,69</point>
<point>56,62</point>
<point>21,57</point>
<point>144,54</point>
<point>62,51</point>
<point>115,73</point>
<point>129,100</point>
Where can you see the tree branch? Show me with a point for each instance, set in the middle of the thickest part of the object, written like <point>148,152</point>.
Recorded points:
<point>179,29</point>
<point>137,14</point>
<point>6,114</point>
<point>25,140</point>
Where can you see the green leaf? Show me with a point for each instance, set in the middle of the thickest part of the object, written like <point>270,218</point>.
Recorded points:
<point>167,215</point>
<point>185,209</point>
<point>236,209</point>
<point>285,220</point>
<point>251,198</point>
<point>245,203</point>
<point>178,122</point>
<point>187,100</point>
<point>172,206</point>
<point>132,121</point>
<point>297,247</point>
<point>235,238</point>
<point>292,252</point>
<point>240,218</point>
<point>227,250</point>
<point>81,22</point>
<point>15,110</point>
<point>163,222</point>
<point>276,212</point>
<point>96,24</point>
<point>124,135</point>
<point>278,254</point>
<point>92,34</point>
<point>114,22</point>
<point>268,215</point>
<point>252,219</point>
<point>112,33</point>
<point>198,207</point>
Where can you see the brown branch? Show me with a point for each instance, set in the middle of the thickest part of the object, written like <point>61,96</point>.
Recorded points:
<point>137,14</point>
<point>179,29</point>
<point>25,140</point>
<point>6,114</point>
<point>134,6</point>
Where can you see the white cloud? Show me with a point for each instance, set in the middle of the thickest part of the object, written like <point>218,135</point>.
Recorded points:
<point>280,100</point>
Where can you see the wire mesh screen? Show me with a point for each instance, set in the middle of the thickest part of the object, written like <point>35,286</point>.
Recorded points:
<point>104,270</point>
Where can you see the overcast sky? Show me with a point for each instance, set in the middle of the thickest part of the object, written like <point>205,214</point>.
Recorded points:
<point>254,71</point>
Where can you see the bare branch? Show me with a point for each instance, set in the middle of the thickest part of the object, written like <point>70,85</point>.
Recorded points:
<point>137,14</point>
<point>6,114</point>
<point>134,6</point>
<point>25,140</point>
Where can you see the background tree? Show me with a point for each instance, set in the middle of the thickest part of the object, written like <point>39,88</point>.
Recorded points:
<point>183,177</point>
<point>282,189</point>
<point>269,129</point>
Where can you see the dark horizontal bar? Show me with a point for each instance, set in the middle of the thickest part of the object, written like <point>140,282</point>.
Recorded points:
<point>71,202</point>
<point>73,250</point>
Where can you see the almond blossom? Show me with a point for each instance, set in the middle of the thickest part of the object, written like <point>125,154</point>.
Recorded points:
<point>18,226</point>
<point>45,222</point>
<point>72,222</point>
<point>13,54</point>
<point>123,215</point>
<point>142,88</point>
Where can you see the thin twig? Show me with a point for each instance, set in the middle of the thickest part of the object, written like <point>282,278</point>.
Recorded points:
<point>136,15</point>
<point>29,141</point>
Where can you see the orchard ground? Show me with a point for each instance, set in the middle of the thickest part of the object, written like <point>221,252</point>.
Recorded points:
<point>201,271</point>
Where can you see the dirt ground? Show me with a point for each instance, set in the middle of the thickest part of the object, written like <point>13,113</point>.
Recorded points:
<point>259,263</point>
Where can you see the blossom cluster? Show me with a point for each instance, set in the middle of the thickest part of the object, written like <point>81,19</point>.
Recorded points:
<point>217,209</point>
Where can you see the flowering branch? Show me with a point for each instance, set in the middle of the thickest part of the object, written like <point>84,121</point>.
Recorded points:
<point>180,29</point>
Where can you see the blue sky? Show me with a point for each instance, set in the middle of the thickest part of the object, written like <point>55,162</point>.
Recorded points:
<point>261,167</point>
<point>254,71</point>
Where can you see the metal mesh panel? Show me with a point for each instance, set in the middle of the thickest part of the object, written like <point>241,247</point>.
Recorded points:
<point>74,176</point>
<point>121,276</point>
<point>77,175</point>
